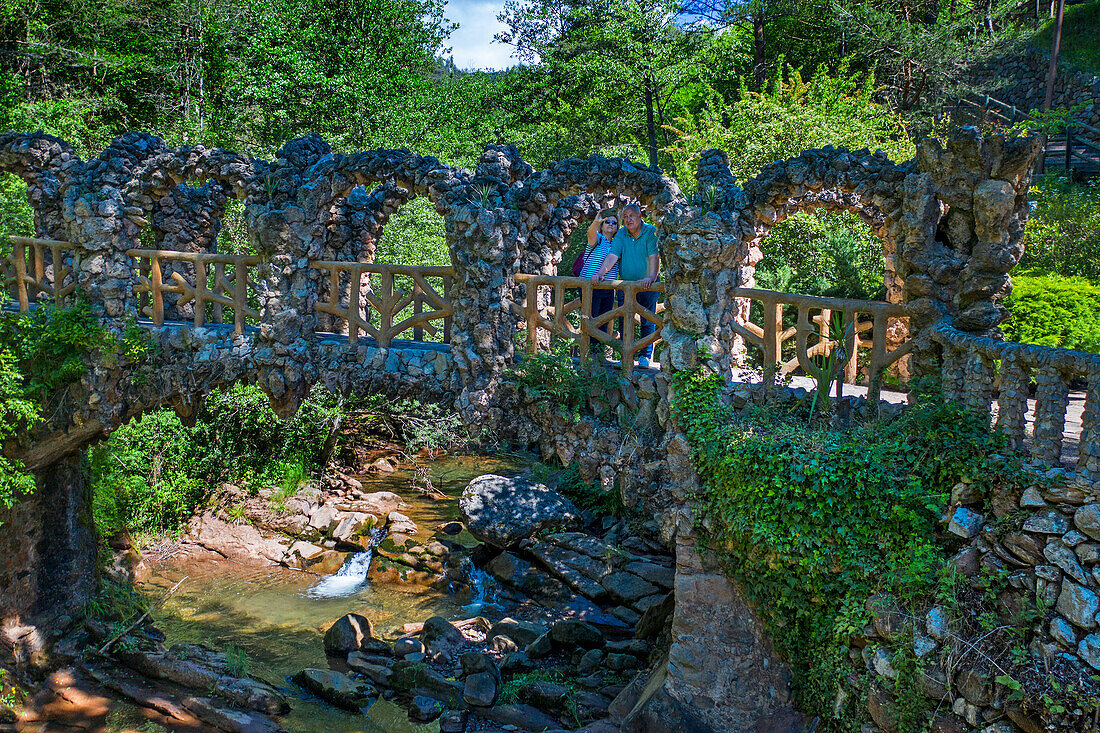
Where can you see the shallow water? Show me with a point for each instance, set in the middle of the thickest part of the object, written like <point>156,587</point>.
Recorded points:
<point>272,615</point>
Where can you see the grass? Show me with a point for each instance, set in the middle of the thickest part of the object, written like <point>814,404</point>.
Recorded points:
<point>1080,31</point>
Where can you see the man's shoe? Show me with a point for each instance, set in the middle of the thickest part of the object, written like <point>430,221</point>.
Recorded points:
<point>643,362</point>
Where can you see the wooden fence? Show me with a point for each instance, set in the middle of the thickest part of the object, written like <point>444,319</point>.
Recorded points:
<point>863,326</point>
<point>431,309</point>
<point>569,319</point>
<point>38,270</point>
<point>222,281</point>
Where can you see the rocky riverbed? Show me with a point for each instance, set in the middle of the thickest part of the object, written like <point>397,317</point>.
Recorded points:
<point>363,603</point>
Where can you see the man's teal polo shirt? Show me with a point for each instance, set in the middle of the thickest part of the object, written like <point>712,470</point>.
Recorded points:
<point>634,253</point>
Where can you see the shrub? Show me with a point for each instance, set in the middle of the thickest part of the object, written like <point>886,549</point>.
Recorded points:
<point>836,256</point>
<point>1052,310</point>
<point>814,521</point>
<point>1062,233</point>
<point>554,376</point>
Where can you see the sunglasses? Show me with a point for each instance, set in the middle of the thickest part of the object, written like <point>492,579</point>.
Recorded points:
<point>611,221</point>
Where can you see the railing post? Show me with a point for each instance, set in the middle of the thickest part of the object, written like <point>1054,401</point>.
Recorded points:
<point>878,356</point>
<point>1051,400</point>
<point>219,278</point>
<point>386,314</point>
<point>156,297</point>
<point>585,346</point>
<point>630,303</point>
<point>355,280</point>
<point>418,308</point>
<point>240,294</point>
<point>773,325</point>
<point>530,303</point>
<point>200,291</point>
<point>1069,149</point>
<point>19,260</point>
<point>448,319</point>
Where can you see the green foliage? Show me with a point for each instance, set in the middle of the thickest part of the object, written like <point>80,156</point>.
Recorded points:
<point>1080,29</point>
<point>236,661</point>
<point>1062,233</point>
<point>813,521</point>
<point>835,255</point>
<point>16,411</point>
<point>1052,310</point>
<point>555,377</point>
<point>586,496</point>
<point>151,475</point>
<point>795,115</point>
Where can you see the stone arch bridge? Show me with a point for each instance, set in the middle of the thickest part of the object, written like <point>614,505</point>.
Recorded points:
<point>133,233</point>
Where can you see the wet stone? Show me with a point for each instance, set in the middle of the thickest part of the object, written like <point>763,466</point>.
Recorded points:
<point>1050,522</point>
<point>1078,604</point>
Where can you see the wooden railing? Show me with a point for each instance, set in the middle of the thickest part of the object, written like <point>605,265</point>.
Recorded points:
<point>970,365</point>
<point>431,310</point>
<point>222,281</point>
<point>28,276</point>
<point>569,319</point>
<point>1077,145</point>
<point>815,319</point>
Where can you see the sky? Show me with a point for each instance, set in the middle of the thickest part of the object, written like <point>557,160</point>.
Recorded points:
<point>472,43</point>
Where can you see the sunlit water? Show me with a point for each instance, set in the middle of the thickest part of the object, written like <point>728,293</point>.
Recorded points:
<point>278,616</point>
<point>352,577</point>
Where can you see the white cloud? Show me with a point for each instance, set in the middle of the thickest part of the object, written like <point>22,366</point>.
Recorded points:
<point>472,42</point>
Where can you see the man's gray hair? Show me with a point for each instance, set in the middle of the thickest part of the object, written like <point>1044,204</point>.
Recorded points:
<point>634,206</point>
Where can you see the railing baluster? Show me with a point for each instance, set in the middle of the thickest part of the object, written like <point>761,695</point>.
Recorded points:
<point>1051,400</point>
<point>447,281</point>
<point>1088,454</point>
<point>388,300</point>
<point>1012,402</point>
<point>200,292</point>
<point>19,260</point>
<point>240,293</point>
<point>878,357</point>
<point>155,294</point>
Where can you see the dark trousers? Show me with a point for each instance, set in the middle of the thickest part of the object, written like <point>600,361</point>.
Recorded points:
<point>602,302</point>
<point>648,300</point>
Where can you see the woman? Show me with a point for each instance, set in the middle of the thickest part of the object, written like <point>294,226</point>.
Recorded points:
<point>600,233</point>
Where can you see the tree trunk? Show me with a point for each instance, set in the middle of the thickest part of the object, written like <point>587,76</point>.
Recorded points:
<point>758,49</point>
<point>650,127</point>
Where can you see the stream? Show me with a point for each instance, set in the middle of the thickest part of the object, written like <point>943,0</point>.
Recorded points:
<point>277,616</point>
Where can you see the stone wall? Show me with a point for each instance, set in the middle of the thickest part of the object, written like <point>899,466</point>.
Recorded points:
<point>1039,547</point>
<point>1018,76</point>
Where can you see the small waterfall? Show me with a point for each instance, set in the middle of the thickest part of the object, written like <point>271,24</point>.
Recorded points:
<point>484,585</point>
<point>352,576</point>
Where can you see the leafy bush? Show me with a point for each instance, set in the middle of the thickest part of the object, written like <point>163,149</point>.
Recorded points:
<point>1062,233</point>
<point>813,521</point>
<point>835,255</point>
<point>555,376</point>
<point>1052,310</point>
<point>152,474</point>
<point>795,115</point>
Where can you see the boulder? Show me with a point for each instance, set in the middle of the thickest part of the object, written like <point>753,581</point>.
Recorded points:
<point>523,717</point>
<point>350,633</point>
<point>424,709</point>
<point>502,511</point>
<point>367,666</point>
<point>228,719</point>
<point>442,638</point>
<point>336,688</point>
<point>480,690</point>
<point>569,634</point>
<point>521,632</point>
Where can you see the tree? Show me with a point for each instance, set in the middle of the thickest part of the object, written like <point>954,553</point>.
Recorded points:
<point>592,49</point>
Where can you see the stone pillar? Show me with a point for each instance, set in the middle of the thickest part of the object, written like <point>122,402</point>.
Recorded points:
<point>47,560</point>
<point>721,673</point>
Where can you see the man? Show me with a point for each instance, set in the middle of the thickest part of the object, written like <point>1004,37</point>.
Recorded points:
<point>635,244</point>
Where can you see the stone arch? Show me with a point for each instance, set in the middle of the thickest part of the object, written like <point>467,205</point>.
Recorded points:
<point>866,184</point>
<point>41,161</point>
